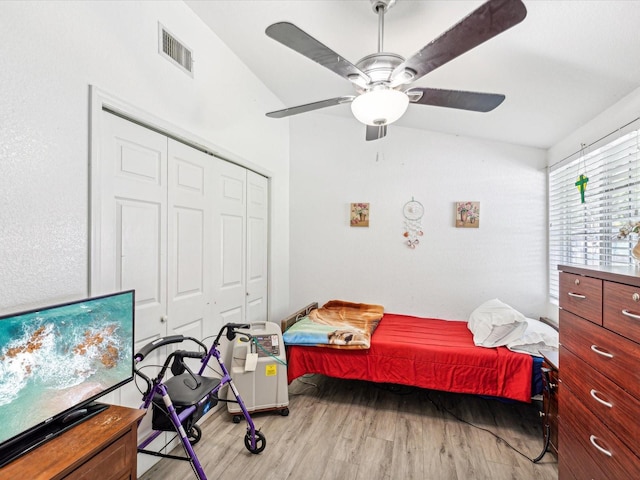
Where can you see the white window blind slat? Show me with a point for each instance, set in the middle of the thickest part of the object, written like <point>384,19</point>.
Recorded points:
<point>585,233</point>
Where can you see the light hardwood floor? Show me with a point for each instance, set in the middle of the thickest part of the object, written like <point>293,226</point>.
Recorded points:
<point>344,429</point>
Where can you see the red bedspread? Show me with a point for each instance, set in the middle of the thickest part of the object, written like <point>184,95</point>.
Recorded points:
<point>422,352</point>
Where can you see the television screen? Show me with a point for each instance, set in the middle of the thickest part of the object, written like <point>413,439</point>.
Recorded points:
<point>55,360</point>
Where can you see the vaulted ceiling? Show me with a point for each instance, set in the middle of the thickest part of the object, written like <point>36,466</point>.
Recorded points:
<point>560,67</point>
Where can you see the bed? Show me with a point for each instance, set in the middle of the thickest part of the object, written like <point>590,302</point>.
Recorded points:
<point>422,352</point>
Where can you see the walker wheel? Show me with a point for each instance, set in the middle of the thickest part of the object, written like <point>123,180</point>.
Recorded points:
<point>237,418</point>
<point>284,412</point>
<point>261,442</point>
<point>194,434</point>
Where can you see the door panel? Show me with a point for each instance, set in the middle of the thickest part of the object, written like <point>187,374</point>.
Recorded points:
<point>190,282</point>
<point>257,235</point>
<point>129,243</point>
<point>229,265</point>
<point>131,218</point>
<point>232,233</point>
<point>140,266</point>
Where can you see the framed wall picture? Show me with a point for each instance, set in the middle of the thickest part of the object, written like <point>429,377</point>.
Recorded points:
<point>468,214</point>
<point>359,216</point>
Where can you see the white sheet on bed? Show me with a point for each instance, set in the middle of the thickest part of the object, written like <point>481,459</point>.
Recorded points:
<point>537,336</point>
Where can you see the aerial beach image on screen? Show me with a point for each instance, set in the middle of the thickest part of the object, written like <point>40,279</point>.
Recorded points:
<point>56,358</point>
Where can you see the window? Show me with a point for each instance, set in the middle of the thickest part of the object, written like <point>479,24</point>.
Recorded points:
<point>586,233</point>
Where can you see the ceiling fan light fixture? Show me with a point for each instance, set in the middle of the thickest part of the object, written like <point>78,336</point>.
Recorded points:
<point>380,107</point>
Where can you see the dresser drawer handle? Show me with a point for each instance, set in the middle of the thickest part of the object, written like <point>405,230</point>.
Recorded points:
<point>593,439</point>
<point>576,295</point>
<point>629,314</point>
<point>600,352</point>
<point>594,394</point>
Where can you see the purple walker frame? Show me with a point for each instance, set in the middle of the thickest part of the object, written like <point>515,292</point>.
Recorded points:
<point>254,440</point>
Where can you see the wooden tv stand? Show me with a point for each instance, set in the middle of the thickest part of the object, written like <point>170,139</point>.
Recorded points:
<point>103,447</point>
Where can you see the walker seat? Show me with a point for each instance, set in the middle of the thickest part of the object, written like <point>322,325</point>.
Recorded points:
<point>185,390</point>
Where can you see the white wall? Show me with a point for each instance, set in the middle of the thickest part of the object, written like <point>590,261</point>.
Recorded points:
<point>608,122</point>
<point>50,52</point>
<point>453,270</point>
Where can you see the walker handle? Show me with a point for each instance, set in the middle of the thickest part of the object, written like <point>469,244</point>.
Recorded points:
<point>232,327</point>
<point>157,343</point>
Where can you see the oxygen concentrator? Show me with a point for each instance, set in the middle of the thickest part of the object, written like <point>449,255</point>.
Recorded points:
<point>259,371</point>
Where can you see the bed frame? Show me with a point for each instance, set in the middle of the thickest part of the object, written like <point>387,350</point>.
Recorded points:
<point>294,317</point>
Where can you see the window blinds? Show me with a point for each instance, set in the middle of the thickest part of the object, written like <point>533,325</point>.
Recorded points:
<point>586,233</point>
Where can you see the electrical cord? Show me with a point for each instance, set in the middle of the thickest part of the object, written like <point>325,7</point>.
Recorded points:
<point>503,440</point>
<point>310,386</point>
<point>405,390</point>
<point>547,434</point>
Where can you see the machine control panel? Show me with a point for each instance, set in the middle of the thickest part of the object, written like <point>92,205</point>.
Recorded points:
<point>268,345</point>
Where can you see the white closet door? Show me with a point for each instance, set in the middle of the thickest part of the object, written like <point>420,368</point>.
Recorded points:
<point>129,242</point>
<point>257,235</point>
<point>190,280</point>
<point>230,242</point>
<point>129,226</point>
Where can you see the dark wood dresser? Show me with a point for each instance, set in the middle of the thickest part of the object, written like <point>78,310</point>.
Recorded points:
<point>599,392</point>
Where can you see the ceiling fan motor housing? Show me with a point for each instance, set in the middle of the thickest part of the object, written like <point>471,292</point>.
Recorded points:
<point>378,67</point>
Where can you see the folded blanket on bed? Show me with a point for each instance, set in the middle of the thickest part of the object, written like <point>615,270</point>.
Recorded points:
<point>337,324</point>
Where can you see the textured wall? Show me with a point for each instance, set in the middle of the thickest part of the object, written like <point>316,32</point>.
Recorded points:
<point>50,52</point>
<point>453,270</point>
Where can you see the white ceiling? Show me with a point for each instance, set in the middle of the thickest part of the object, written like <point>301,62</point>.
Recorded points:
<point>565,63</point>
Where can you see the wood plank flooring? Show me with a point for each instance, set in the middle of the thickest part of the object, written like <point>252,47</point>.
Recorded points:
<point>345,429</point>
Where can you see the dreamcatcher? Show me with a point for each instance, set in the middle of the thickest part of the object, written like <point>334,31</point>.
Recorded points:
<point>413,211</point>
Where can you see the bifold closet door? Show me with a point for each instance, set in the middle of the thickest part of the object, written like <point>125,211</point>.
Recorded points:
<point>190,305</point>
<point>129,220</point>
<point>240,267</point>
<point>153,229</point>
<point>186,230</point>
<point>257,246</point>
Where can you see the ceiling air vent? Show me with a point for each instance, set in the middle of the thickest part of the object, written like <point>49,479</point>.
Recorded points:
<point>174,50</point>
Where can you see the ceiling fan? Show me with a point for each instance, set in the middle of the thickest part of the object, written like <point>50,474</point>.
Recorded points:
<point>383,80</point>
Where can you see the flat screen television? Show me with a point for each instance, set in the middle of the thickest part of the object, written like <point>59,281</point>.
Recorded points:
<point>55,362</point>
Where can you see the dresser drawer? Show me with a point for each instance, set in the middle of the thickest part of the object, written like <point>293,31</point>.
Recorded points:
<point>610,403</point>
<point>564,471</point>
<point>574,462</point>
<point>113,463</point>
<point>581,296</point>
<point>613,356</point>
<point>622,310</point>
<point>589,448</point>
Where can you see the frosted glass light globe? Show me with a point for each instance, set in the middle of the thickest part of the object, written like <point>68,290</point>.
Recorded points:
<point>380,107</point>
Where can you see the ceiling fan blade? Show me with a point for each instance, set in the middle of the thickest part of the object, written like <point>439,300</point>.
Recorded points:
<point>287,112</point>
<point>474,101</point>
<point>375,132</point>
<point>291,36</point>
<point>484,23</point>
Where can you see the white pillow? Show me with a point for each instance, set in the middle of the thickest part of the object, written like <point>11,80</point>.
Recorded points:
<point>495,323</point>
<point>538,336</point>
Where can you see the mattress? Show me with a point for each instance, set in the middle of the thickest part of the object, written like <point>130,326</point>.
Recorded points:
<point>423,352</point>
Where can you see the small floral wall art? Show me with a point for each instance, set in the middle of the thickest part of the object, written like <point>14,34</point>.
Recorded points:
<point>468,214</point>
<point>359,216</point>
